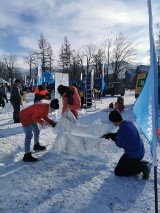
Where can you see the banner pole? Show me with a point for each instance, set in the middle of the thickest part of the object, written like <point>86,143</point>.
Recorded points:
<point>155,189</point>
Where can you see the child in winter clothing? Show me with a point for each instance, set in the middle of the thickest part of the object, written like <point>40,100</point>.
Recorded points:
<point>119,105</point>
<point>29,117</point>
<point>128,138</point>
<point>70,99</point>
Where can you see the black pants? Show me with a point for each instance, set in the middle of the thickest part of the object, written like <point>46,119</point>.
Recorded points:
<point>16,110</point>
<point>129,166</point>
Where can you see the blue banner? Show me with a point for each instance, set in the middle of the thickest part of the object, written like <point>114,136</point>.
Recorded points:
<point>143,109</point>
<point>146,106</point>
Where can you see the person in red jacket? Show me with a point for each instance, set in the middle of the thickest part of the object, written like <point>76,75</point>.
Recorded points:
<point>70,99</point>
<point>29,117</point>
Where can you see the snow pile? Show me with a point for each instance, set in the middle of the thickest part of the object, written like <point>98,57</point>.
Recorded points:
<point>78,146</point>
<point>77,139</point>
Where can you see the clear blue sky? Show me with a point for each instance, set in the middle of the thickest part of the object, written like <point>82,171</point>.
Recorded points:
<point>83,22</point>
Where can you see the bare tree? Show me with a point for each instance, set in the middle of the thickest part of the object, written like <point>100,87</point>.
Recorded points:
<point>9,61</point>
<point>89,52</point>
<point>76,67</point>
<point>98,59</point>
<point>3,71</point>
<point>122,53</point>
<point>79,57</point>
<point>108,47</point>
<point>30,59</point>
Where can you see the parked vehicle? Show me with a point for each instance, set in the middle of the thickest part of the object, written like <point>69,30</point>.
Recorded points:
<point>115,88</point>
<point>141,78</point>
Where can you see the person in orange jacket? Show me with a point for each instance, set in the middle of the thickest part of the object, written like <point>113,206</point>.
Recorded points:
<point>29,117</point>
<point>70,99</point>
<point>40,93</point>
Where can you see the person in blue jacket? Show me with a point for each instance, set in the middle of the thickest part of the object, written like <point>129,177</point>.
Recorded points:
<point>128,138</point>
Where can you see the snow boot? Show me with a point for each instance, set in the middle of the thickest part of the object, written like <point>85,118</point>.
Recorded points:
<point>38,147</point>
<point>29,158</point>
<point>146,168</point>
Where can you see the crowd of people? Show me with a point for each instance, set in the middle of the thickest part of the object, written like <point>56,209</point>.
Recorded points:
<point>33,116</point>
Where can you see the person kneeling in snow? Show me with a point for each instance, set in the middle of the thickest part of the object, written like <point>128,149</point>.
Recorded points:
<point>29,117</point>
<point>128,138</point>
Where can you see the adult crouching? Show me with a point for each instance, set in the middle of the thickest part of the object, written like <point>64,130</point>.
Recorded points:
<point>29,117</point>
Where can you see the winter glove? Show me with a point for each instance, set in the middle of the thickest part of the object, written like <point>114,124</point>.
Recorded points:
<point>53,124</point>
<point>45,123</point>
<point>106,136</point>
<point>112,136</point>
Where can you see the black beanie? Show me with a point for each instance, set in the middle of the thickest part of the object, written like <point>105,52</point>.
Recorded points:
<point>40,88</point>
<point>61,89</point>
<point>54,104</point>
<point>115,116</point>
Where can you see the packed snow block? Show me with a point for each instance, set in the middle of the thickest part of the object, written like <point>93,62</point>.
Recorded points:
<point>78,146</point>
<point>77,139</point>
<point>66,123</point>
<point>94,130</point>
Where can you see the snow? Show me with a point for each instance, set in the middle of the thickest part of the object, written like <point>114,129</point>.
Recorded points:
<point>76,172</point>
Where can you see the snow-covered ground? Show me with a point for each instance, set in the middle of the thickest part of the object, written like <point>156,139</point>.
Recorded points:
<point>76,172</point>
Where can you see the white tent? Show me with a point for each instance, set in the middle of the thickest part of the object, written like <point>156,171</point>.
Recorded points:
<point>3,81</point>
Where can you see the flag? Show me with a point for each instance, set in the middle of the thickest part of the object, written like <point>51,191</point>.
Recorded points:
<point>143,109</point>
<point>146,106</point>
<point>39,73</point>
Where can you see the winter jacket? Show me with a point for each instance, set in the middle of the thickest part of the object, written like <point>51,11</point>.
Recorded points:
<point>43,92</point>
<point>129,139</point>
<point>15,96</point>
<point>2,92</point>
<point>39,95</point>
<point>72,101</point>
<point>35,113</point>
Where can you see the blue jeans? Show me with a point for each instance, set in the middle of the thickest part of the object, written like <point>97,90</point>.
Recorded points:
<point>29,130</point>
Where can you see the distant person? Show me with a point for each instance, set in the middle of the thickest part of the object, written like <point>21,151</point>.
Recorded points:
<point>8,87</point>
<point>49,89</point>
<point>128,138</point>
<point>41,93</point>
<point>3,92</point>
<point>119,105</point>
<point>81,93</point>
<point>16,99</point>
<point>70,99</point>
<point>29,117</point>
<point>97,93</point>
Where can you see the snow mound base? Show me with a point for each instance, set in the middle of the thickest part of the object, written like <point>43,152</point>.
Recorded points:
<point>77,139</point>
